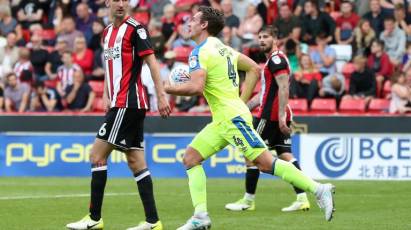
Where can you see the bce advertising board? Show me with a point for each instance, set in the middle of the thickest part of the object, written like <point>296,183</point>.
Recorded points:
<point>322,156</point>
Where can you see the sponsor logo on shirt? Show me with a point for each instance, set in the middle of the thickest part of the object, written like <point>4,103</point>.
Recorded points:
<point>112,53</point>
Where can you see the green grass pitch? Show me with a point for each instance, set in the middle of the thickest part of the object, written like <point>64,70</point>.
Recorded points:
<point>36,203</point>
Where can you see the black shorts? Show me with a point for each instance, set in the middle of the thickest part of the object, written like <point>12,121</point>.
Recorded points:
<point>123,128</point>
<point>271,134</point>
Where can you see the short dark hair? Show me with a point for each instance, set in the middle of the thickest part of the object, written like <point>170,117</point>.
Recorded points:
<point>68,17</point>
<point>215,19</point>
<point>315,4</point>
<point>322,35</point>
<point>379,42</point>
<point>68,51</point>
<point>271,30</point>
<point>399,6</point>
<point>10,74</point>
<point>389,18</point>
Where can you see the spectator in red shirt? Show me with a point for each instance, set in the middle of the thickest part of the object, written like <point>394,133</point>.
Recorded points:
<point>82,56</point>
<point>305,82</point>
<point>380,63</point>
<point>344,32</point>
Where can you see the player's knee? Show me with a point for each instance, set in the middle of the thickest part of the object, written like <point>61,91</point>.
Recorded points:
<point>97,160</point>
<point>249,163</point>
<point>136,165</point>
<point>265,167</point>
<point>286,156</point>
<point>264,162</point>
<point>190,160</point>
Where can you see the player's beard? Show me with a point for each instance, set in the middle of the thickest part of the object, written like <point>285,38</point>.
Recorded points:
<point>267,49</point>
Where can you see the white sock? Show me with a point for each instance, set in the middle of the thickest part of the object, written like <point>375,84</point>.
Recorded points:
<point>249,197</point>
<point>201,215</point>
<point>318,190</point>
<point>302,196</point>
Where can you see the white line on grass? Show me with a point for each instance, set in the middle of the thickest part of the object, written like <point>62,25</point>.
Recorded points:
<point>62,196</point>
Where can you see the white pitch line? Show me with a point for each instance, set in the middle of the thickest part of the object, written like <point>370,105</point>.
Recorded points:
<point>62,196</point>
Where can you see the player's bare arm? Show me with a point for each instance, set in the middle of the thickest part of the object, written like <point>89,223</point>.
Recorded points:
<point>252,71</point>
<point>254,102</point>
<point>190,88</point>
<point>163,105</point>
<point>283,91</point>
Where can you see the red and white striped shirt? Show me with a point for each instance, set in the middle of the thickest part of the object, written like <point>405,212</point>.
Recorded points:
<point>19,67</point>
<point>65,74</point>
<point>124,49</point>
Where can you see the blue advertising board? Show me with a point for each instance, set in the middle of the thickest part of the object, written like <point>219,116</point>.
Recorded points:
<point>67,154</point>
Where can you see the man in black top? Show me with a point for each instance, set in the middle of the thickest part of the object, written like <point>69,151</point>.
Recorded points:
<point>45,99</point>
<point>314,21</point>
<point>38,58</point>
<point>362,81</point>
<point>29,13</point>
<point>286,22</point>
<point>231,20</point>
<point>54,59</point>
<point>79,95</point>
<point>376,17</point>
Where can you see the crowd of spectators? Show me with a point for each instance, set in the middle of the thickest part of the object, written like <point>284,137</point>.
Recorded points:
<point>51,56</point>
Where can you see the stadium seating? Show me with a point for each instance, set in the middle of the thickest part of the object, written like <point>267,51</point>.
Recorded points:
<point>323,105</point>
<point>378,105</point>
<point>298,105</point>
<point>386,89</point>
<point>97,87</point>
<point>347,84</point>
<point>352,106</point>
<point>348,69</point>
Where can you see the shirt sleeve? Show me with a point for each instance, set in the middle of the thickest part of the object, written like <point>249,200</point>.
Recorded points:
<point>197,61</point>
<point>143,42</point>
<point>278,65</point>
